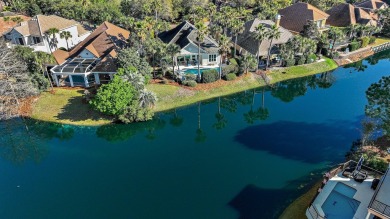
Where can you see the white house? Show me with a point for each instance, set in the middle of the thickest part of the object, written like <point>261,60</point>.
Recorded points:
<point>185,36</point>
<point>33,33</point>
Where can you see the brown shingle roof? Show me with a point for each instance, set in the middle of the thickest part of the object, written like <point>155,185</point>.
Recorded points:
<point>341,15</point>
<point>44,22</point>
<point>101,42</point>
<point>371,4</point>
<point>60,55</point>
<point>296,16</point>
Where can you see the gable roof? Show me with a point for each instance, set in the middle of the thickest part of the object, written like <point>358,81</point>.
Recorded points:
<point>371,4</point>
<point>296,16</point>
<point>247,41</point>
<point>39,24</point>
<point>101,42</point>
<point>185,34</point>
<point>341,15</point>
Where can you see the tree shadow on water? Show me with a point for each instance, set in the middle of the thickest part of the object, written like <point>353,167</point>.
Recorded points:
<point>77,109</point>
<point>307,142</point>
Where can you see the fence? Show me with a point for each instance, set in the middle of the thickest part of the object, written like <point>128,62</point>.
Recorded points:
<point>381,47</point>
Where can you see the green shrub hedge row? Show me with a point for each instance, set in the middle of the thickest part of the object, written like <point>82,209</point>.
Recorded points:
<point>209,76</point>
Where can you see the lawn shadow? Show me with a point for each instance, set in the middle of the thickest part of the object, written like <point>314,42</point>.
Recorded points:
<point>77,110</point>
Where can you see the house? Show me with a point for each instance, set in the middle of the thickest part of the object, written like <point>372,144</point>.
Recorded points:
<point>246,42</point>
<point>296,16</point>
<point>91,61</point>
<point>352,191</point>
<point>33,34</point>
<point>185,36</point>
<point>371,5</point>
<point>344,14</point>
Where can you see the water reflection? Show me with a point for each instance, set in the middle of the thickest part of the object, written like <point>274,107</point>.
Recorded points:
<point>25,139</point>
<point>298,140</point>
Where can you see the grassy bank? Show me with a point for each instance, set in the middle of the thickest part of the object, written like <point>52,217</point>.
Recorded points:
<point>171,97</point>
<point>297,209</point>
<point>380,40</point>
<point>66,105</point>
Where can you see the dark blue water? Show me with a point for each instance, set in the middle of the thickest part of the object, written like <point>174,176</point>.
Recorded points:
<point>242,156</point>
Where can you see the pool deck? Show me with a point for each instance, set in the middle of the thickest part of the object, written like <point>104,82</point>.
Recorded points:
<point>363,194</point>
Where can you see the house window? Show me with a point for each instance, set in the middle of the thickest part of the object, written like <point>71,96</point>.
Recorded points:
<point>212,58</point>
<point>20,41</point>
<point>319,24</point>
<point>36,40</point>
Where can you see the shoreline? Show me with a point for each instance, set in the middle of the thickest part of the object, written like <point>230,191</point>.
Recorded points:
<point>171,96</point>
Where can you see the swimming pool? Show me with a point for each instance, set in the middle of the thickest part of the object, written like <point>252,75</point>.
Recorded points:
<point>195,70</point>
<point>340,203</point>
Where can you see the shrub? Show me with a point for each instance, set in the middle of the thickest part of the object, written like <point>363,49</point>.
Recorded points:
<point>289,62</point>
<point>233,61</point>
<point>325,51</point>
<point>311,58</point>
<point>190,77</point>
<point>301,60</point>
<point>364,41</point>
<point>165,81</point>
<point>354,46</point>
<point>231,77</point>
<point>210,76</point>
<point>372,40</point>
<point>190,83</point>
<point>229,69</point>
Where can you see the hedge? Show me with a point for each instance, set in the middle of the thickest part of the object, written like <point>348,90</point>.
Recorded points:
<point>372,40</point>
<point>354,46</point>
<point>289,62</point>
<point>229,69</point>
<point>231,77</point>
<point>301,60</point>
<point>311,58</point>
<point>190,83</point>
<point>364,41</point>
<point>209,76</point>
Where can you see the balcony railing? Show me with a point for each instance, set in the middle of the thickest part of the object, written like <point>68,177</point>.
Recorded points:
<point>380,207</point>
<point>315,214</point>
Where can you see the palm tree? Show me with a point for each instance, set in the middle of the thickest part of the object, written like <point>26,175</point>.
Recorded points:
<point>173,50</point>
<point>52,32</point>
<point>147,98</point>
<point>248,62</point>
<point>237,27</point>
<point>66,35</point>
<point>273,33</point>
<point>335,33</point>
<point>202,32</point>
<point>260,34</point>
<point>223,48</point>
<point>136,80</point>
<point>351,30</point>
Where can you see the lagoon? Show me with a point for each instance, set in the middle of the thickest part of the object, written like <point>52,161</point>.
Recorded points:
<point>247,155</point>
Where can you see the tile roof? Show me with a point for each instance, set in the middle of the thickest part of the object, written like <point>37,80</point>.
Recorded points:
<point>296,16</point>
<point>371,4</point>
<point>341,15</point>
<point>247,41</point>
<point>185,34</point>
<point>44,22</point>
<point>103,41</point>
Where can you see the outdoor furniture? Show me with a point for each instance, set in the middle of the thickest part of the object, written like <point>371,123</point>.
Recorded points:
<point>359,176</point>
<point>374,183</point>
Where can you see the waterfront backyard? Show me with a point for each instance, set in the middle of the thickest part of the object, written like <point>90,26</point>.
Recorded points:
<point>245,155</point>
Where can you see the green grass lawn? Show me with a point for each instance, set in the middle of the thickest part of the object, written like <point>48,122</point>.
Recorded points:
<point>66,106</point>
<point>297,209</point>
<point>380,40</point>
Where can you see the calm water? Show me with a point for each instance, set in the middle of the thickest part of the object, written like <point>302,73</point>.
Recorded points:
<point>250,160</point>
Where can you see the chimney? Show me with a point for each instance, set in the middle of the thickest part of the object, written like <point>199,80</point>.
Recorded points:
<point>277,20</point>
